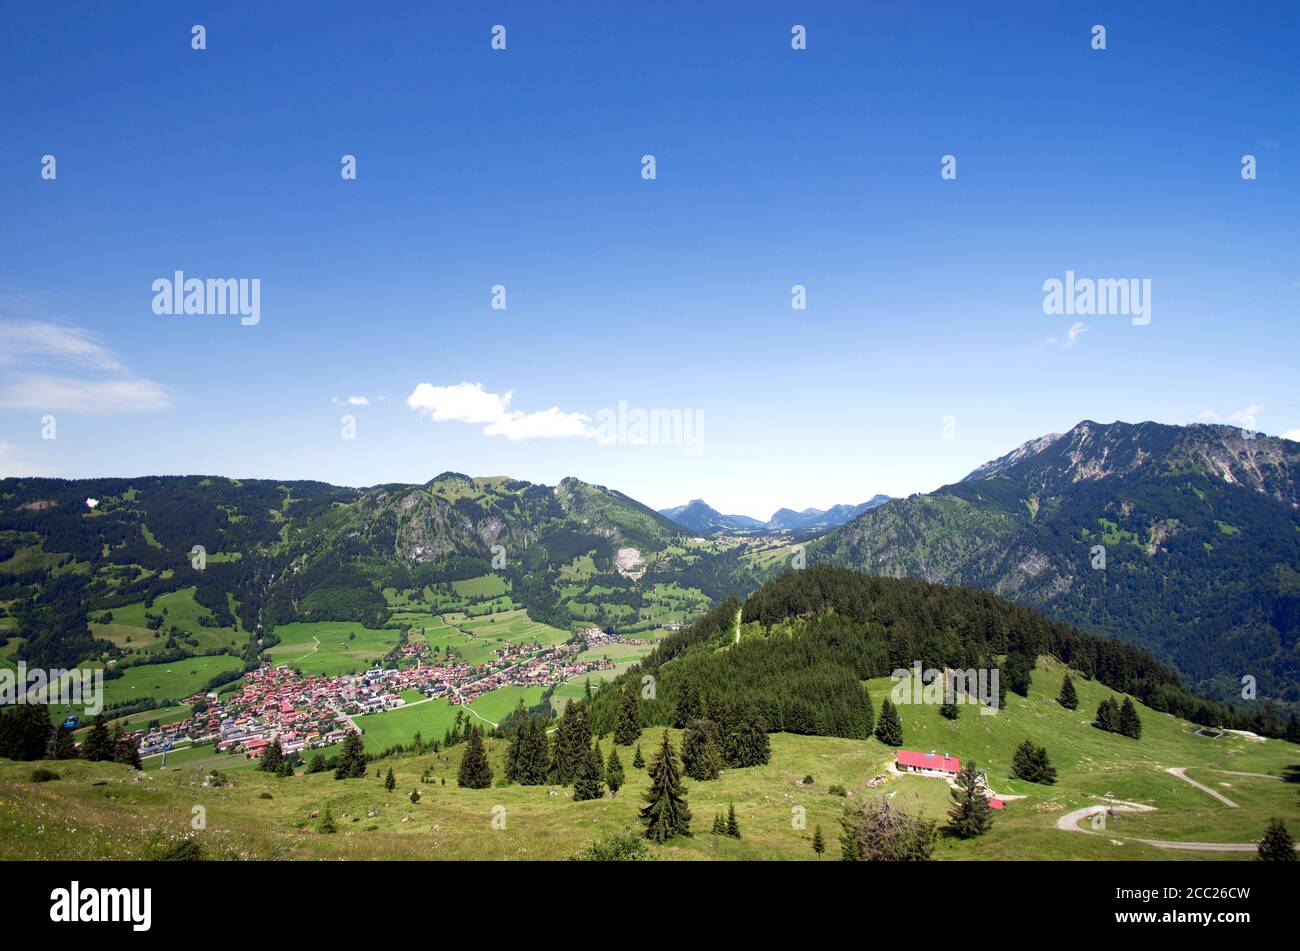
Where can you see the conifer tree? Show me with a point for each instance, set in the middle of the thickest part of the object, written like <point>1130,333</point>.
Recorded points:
<point>415,796</point>
<point>628,730</point>
<point>1018,671</point>
<point>351,762</point>
<point>474,773</point>
<point>390,781</point>
<point>971,814</point>
<point>63,746</point>
<point>271,758</point>
<point>666,813</point>
<point>1292,733</point>
<point>733,827</point>
<point>1276,845</point>
<point>701,758</point>
<point>572,741</point>
<point>1129,724</point>
<point>1107,716</point>
<point>327,822</point>
<point>99,745</point>
<point>950,710</point>
<point>614,772</point>
<point>819,841</point>
<point>125,750</point>
<point>687,707</point>
<point>1068,698</point>
<point>1030,764</point>
<point>588,781</point>
<point>719,824</point>
<point>638,761</point>
<point>750,745</point>
<point>889,730</point>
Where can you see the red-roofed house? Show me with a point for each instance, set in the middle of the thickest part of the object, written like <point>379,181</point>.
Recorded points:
<point>927,764</point>
<point>997,804</point>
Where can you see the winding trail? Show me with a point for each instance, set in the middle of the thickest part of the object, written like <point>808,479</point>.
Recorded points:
<point>1181,773</point>
<point>310,652</point>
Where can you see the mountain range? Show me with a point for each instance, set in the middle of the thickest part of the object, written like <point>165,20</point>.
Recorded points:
<point>1183,540</point>
<point>698,516</point>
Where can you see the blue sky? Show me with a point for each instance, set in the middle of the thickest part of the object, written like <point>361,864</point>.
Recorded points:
<point>522,168</point>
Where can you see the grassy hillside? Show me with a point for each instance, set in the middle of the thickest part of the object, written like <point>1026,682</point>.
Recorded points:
<point>105,811</point>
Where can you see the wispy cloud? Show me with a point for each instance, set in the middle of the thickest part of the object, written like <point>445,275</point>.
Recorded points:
<point>351,401</point>
<point>1077,330</point>
<point>51,367</point>
<point>473,403</point>
<point>1248,417</point>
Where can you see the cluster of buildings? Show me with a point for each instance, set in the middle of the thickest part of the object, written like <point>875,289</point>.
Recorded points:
<point>305,712</point>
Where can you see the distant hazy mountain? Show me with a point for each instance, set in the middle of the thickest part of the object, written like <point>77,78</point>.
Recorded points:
<point>1199,526</point>
<point>700,517</point>
<point>808,519</point>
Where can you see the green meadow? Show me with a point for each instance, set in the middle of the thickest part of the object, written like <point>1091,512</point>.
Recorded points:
<point>331,647</point>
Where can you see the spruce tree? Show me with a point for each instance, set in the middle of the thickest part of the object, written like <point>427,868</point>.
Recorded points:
<point>628,730</point>
<point>701,758</point>
<point>666,813</point>
<point>638,761</point>
<point>1292,733</point>
<point>1129,724</point>
<point>588,781</point>
<point>1068,698</point>
<point>614,772</point>
<point>1276,845</point>
<point>733,827</point>
<point>99,745</point>
<point>750,745</point>
<point>687,707</point>
<point>474,772</point>
<point>351,762</point>
<point>889,729</point>
<point>719,824</point>
<point>1107,716</point>
<point>950,710</point>
<point>1030,764</point>
<point>971,814</point>
<point>63,747</point>
<point>819,842</point>
<point>415,796</point>
<point>272,756</point>
<point>390,781</point>
<point>327,822</point>
<point>125,750</point>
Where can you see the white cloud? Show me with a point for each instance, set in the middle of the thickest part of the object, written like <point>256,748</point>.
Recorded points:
<point>462,403</point>
<point>351,401</point>
<point>1247,418</point>
<point>473,403</point>
<point>1077,330</point>
<point>45,392</point>
<point>1292,434</point>
<point>29,338</point>
<point>50,367</point>
<point>547,424</point>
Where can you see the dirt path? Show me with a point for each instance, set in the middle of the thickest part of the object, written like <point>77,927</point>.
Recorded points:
<point>310,652</point>
<point>1181,773</point>
<point>1070,823</point>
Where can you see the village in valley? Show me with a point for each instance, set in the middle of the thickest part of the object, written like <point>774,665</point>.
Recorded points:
<point>304,711</point>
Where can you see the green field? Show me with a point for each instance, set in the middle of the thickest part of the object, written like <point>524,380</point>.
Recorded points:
<point>331,647</point>
<point>177,608</point>
<point>776,810</point>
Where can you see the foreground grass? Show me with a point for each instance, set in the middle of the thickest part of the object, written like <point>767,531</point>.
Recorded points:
<point>99,810</point>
